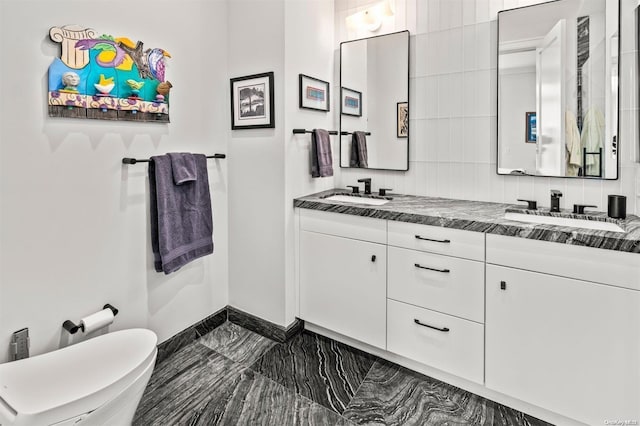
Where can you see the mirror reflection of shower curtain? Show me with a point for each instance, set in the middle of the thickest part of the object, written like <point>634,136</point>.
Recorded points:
<point>550,100</point>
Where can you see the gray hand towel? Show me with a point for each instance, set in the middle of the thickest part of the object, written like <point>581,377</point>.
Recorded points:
<point>181,216</point>
<point>183,165</point>
<point>321,158</point>
<point>359,155</point>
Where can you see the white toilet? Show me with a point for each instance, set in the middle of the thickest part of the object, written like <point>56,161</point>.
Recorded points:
<point>96,382</point>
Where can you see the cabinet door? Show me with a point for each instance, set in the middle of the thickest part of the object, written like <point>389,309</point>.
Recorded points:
<point>566,345</point>
<point>343,286</point>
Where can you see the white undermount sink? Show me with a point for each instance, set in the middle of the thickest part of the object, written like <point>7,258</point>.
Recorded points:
<point>358,200</point>
<point>564,221</point>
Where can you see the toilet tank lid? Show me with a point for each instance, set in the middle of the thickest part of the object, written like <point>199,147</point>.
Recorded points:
<point>55,379</point>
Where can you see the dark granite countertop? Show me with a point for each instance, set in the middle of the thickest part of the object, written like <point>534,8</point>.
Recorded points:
<point>480,216</point>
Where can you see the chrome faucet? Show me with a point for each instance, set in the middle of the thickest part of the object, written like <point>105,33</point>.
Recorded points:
<point>555,200</point>
<point>367,185</point>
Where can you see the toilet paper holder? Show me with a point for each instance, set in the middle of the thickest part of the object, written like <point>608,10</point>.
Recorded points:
<point>72,328</point>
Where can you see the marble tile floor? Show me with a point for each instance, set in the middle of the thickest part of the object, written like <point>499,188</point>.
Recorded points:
<point>233,376</point>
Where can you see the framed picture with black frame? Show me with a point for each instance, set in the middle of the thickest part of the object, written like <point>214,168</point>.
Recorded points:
<point>350,102</point>
<point>402,117</point>
<point>314,93</point>
<point>531,128</point>
<point>252,102</point>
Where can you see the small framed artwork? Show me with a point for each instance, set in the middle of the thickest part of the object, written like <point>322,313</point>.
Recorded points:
<point>314,93</point>
<point>351,102</point>
<point>252,103</point>
<point>402,117</point>
<point>531,128</point>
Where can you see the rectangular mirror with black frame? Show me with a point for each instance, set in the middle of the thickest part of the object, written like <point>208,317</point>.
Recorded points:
<point>558,97</point>
<point>374,102</point>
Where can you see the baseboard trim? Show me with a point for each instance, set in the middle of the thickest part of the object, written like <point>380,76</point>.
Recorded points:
<point>191,333</point>
<point>263,327</point>
<point>228,313</point>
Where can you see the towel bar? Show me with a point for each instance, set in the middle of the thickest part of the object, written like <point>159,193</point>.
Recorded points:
<point>350,133</point>
<point>134,161</point>
<point>297,131</point>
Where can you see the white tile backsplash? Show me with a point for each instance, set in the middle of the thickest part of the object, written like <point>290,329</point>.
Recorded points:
<point>593,194</point>
<point>433,15</point>
<point>421,141</point>
<point>453,106</point>
<point>443,186</point>
<point>445,100</point>
<point>483,93</point>
<point>470,81</point>
<point>469,50</point>
<point>481,182</point>
<point>483,46</point>
<point>526,187</point>
<point>451,13</point>
<point>421,55</point>
<point>458,183</point>
<point>510,194</point>
<point>574,192</point>
<point>431,93</point>
<point>431,174</point>
<point>455,50</point>
<point>456,141</point>
<point>456,94</point>
<point>482,10</point>
<point>443,140</point>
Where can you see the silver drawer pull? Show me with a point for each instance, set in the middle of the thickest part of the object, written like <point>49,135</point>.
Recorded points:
<point>417,265</point>
<point>418,237</point>
<point>417,321</point>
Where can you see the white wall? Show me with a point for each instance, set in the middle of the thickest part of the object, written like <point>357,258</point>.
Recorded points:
<point>353,75</point>
<point>453,111</point>
<point>308,49</point>
<point>270,167</point>
<point>256,167</point>
<point>386,87</point>
<point>74,220</point>
<point>519,97</point>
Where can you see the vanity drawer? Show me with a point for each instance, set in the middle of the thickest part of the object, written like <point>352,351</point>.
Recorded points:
<point>344,225</point>
<point>452,285</point>
<point>436,239</point>
<point>459,351</point>
<point>611,267</point>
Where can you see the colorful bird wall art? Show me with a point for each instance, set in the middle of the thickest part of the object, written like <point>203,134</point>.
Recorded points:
<point>106,77</point>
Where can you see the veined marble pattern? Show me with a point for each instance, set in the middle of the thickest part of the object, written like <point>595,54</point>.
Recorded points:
<point>183,384</point>
<point>321,369</point>
<point>310,380</point>
<point>257,400</point>
<point>393,395</point>
<point>478,216</point>
<point>237,343</point>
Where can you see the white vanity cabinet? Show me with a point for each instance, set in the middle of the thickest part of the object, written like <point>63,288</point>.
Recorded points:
<point>343,274</point>
<point>554,326</point>
<point>568,345</point>
<point>435,308</point>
